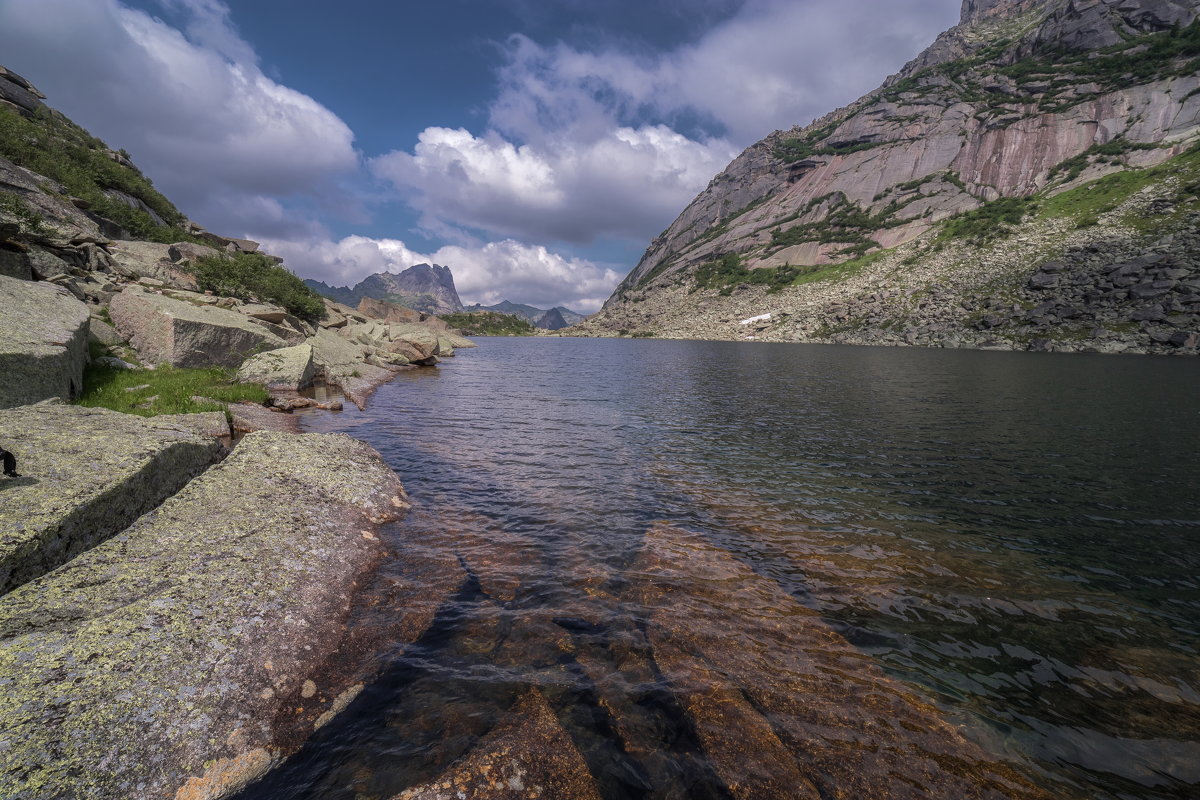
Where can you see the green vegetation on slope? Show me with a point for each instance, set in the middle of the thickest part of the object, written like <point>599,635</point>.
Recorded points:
<point>488,323</point>
<point>1054,75</point>
<point>249,275</point>
<point>727,272</point>
<point>846,223</point>
<point>51,145</point>
<point>988,222</point>
<point>166,390</point>
<point>1085,203</point>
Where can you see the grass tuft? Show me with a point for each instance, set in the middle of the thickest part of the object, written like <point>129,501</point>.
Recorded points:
<point>166,390</point>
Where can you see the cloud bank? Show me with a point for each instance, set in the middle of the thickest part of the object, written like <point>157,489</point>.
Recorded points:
<point>584,143</point>
<point>486,273</point>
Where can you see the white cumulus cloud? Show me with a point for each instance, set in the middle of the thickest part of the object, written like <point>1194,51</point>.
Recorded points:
<point>622,183</point>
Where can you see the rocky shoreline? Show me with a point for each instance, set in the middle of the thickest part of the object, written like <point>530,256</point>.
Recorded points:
<point>177,591</point>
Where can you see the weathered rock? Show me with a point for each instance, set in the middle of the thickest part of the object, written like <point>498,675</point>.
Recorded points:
<point>58,214</point>
<point>342,363</point>
<point>389,312</point>
<point>152,260</point>
<point>43,342</point>
<point>287,368</point>
<point>823,720</point>
<point>103,333</point>
<point>265,312</point>
<point>190,251</point>
<point>15,264</point>
<point>165,330</point>
<point>87,474</point>
<point>455,341</point>
<point>172,660</point>
<point>20,93</point>
<point>46,265</point>
<point>251,417</point>
<point>529,755</point>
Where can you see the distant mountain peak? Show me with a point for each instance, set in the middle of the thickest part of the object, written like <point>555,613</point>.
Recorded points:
<point>428,288</point>
<point>547,319</point>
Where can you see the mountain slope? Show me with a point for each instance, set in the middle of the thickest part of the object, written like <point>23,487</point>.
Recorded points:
<point>1023,100</point>
<point>426,288</point>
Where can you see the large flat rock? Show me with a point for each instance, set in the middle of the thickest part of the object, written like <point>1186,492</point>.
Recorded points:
<point>43,342</point>
<point>182,334</point>
<point>87,474</point>
<point>529,755</point>
<point>186,655</point>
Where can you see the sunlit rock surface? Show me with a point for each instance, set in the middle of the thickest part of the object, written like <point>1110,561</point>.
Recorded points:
<point>43,342</point>
<point>77,490</point>
<point>195,649</point>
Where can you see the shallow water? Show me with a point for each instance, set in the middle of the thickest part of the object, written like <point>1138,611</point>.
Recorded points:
<point>1013,538</point>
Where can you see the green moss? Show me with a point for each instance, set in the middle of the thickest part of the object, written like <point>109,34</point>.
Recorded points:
<point>51,145</point>
<point>166,390</point>
<point>249,275</point>
<point>489,323</point>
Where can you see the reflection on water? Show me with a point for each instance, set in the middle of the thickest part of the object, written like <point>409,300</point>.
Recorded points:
<point>985,564</point>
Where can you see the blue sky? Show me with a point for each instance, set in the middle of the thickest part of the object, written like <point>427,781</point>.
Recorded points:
<point>533,146</point>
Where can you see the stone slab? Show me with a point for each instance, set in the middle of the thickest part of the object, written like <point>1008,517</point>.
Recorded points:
<point>185,656</point>
<point>528,755</point>
<point>288,368</point>
<point>43,342</point>
<point>86,474</point>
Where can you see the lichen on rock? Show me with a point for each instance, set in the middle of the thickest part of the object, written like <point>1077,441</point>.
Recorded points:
<point>146,661</point>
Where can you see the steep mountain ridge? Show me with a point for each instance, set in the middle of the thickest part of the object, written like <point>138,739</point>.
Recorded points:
<point>428,288</point>
<point>1023,98</point>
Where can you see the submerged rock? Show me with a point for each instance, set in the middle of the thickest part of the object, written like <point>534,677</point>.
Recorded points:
<point>79,489</point>
<point>174,660</point>
<point>529,755</point>
<point>43,342</point>
<point>783,705</point>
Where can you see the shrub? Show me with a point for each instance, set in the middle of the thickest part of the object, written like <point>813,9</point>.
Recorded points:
<point>253,275</point>
<point>988,222</point>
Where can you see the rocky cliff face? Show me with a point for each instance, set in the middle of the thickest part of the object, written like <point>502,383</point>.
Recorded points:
<point>427,288</point>
<point>1022,99</point>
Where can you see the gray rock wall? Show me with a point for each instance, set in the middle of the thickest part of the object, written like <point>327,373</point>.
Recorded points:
<point>43,342</point>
